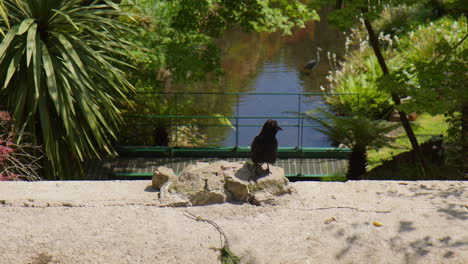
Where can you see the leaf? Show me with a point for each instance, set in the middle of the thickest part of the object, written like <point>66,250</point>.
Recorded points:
<point>37,66</point>
<point>30,43</point>
<point>224,121</point>
<point>67,17</point>
<point>7,41</point>
<point>4,16</point>
<point>45,121</point>
<point>50,75</point>
<point>24,26</point>
<point>74,57</point>
<point>12,69</point>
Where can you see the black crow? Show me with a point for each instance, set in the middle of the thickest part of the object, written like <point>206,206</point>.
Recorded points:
<point>265,146</point>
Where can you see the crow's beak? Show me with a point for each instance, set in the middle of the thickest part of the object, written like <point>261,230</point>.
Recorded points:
<point>279,128</point>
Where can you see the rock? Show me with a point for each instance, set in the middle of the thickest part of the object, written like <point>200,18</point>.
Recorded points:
<point>238,189</point>
<point>163,175</point>
<point>168,199</point>
<point>201,183</point>
<point>219,182</point>
<point>201,176</point>
<point>274,183</point>
<point>237,181</point>
<point>262,198</point>
<point>175,201</point>
<point>208,197</point>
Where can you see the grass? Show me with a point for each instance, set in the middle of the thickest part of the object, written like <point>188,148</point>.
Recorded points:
<point>339,176</point>
<point>336,178</point>
<point>424,127</point>
<point>227,257</point>
<point>413,173</point>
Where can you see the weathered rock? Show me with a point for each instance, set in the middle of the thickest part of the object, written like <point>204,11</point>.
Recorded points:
<point>262,198</point>
<point>208,197</point>
<point>163,175</point>
<point>238,189</point>
<point>168,199</point>
<point>219,182</point>
<point>274,183</point>
<point>201,183</point>
<point>237,177</point>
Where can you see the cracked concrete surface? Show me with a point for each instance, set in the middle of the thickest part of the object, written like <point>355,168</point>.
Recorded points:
<point>122,222</point>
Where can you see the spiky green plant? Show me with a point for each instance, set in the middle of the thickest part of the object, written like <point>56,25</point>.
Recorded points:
<point>359,133</point>
<point>61,75</point>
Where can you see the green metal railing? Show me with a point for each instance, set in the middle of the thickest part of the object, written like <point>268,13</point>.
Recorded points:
<point>323,156</point>
<point>176,117</point>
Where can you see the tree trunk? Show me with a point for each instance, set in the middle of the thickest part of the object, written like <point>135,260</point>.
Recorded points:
<point>161,136</point>
<point>357,164</point>
<point>396,99</point>
<point>338,4</point>
<point>464,139</point>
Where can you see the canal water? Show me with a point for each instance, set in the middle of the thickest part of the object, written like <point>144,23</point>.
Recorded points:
<point>281,76</point>
<point>254,63</point>
<point>282,73</point>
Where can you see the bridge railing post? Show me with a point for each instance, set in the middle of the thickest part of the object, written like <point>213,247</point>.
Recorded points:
<point>299,109</point>
<point>237,121</point>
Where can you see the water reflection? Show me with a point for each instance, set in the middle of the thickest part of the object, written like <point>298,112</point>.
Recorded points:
<point>280,72</point>
<point>259,63</point>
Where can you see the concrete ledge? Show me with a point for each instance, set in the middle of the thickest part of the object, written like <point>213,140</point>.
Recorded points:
<point>121,222</point>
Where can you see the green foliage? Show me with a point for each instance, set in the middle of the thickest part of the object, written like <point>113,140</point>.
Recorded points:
<point>352,11</point>
<point>355,132</point>
<point>62,77</point>
<point>178,47</point>
<point>19,156</point>
<point>337,177</point>
<point>427,60</point>
<point>401,19</point>
<point>179,36</point>
<point>424,65</point>
<point>410,172</point>
<point>227,257</point>
<point>358,133</point>
<point>434,72</point>
<point>424,127</point>
<point>360,78</point>
<point>455,122</point>
<point>214,16</point>
<point>451,7</point>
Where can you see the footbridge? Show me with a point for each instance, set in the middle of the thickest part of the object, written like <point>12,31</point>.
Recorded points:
<point>169,119</point>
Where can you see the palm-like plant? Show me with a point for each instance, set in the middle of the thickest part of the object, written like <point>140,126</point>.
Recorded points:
<point>359,133</point>
<point>61,75</point>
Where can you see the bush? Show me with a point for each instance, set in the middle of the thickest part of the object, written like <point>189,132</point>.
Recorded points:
<point>19,159</point>
<point>360,80</point>
<point>417,41</point>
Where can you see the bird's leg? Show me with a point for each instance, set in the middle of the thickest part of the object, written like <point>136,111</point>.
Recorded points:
<point>268,169</point>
